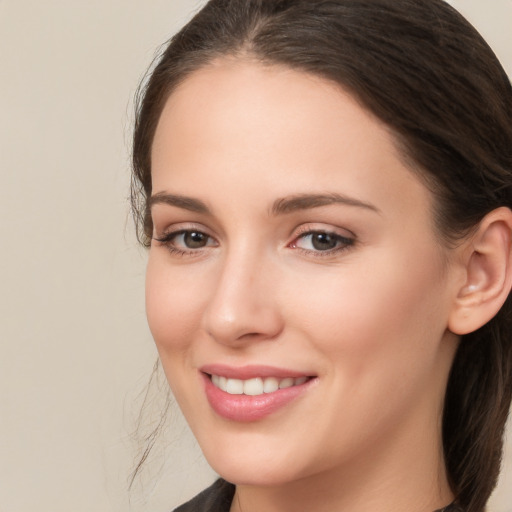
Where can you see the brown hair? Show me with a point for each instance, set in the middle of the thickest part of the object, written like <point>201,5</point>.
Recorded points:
<point>420,67</point>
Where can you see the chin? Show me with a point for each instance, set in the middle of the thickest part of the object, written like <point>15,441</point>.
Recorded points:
<point>256,475</point>
<point>255,467</point>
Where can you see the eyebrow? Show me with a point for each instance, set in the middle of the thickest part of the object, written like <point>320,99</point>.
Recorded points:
<point>307,201</point>
<point>281,206</point>
<point>184,202</point>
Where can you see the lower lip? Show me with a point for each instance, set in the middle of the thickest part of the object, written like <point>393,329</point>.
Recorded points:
<point>244,408</point>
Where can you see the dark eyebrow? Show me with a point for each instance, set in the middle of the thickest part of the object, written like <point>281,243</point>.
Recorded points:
<point>306,201</point>
<point>187,203</point>
<point>281,206</point>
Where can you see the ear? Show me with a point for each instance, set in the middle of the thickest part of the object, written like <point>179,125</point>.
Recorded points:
<point>488,273</point>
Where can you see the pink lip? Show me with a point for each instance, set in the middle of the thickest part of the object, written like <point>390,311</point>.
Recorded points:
<point>243,408</point>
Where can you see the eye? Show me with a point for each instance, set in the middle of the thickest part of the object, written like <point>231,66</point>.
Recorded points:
<point>191,239</point>
<point>322,241</point>
<point>186,241</point>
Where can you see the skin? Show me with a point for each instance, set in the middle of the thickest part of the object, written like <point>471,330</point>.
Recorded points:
<point>368,318</point>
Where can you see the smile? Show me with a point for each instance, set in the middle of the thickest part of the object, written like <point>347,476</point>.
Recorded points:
<point>252,393</point>
<point>255,386</point>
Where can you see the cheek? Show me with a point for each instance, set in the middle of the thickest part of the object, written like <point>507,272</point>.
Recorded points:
<point>389,308</point>
<point>173,306</point>
<point>380,331</point>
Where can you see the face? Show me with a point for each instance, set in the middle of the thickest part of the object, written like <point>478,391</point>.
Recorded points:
<point>296,289</point>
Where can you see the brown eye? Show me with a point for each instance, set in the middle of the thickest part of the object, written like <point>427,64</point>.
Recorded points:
<point>195,239</point>
<point>324,241</point>
<point>186,241</point>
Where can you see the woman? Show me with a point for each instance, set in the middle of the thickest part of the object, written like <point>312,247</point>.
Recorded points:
<point>325,188</point>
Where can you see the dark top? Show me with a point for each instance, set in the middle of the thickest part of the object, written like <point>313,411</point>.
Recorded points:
<point>219,496</point>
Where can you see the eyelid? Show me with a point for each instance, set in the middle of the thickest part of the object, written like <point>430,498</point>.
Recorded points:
<point>323,228</point>
<point>346,240</point>
<point>179,227</point>
<point>168,235</point>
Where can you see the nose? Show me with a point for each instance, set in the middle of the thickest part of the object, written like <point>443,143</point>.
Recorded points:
<point>243,306</point>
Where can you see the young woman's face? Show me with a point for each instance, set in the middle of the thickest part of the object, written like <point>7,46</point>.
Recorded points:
<point>293,249</point>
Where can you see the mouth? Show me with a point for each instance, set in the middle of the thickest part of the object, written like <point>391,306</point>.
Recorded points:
<point>252,393</point>
<point>256,386</point>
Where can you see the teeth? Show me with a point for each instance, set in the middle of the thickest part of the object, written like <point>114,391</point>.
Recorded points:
<point>253,387</point>
<point>256,386</point>
<point>286,383</point>
<point>235,387</point>
<point>270,385</point>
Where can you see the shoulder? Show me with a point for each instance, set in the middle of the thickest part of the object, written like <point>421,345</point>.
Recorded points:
<point>217,498</point>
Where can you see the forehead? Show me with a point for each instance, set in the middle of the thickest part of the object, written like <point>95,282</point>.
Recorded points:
<point>234,96</point>
<point>279,128</point>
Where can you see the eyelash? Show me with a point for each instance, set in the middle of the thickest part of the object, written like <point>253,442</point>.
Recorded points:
<point>167,239</point>
<point>343,243</point>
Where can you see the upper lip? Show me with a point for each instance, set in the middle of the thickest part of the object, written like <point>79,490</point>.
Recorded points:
<point>251,371</point>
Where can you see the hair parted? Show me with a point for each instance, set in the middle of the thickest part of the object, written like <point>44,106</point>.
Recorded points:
<point>422,69</point>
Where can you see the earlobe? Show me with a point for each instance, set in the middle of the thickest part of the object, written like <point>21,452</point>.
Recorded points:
<point>488,266</point>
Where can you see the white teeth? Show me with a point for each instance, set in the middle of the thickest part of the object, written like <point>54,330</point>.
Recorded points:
<point>270,384</point>
<point>253,387</point>
<point>220,382</point>
<point>235,386</point>
<point>256,386</point>
<point>223,383</point>
<point>286,383</point>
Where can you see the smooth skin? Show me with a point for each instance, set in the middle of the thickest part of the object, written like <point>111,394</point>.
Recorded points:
<point>354,287</point>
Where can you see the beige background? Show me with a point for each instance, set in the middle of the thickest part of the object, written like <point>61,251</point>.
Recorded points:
<point>75,352</point>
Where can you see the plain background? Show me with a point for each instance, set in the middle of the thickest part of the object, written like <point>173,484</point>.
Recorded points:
<point>75,352</point>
